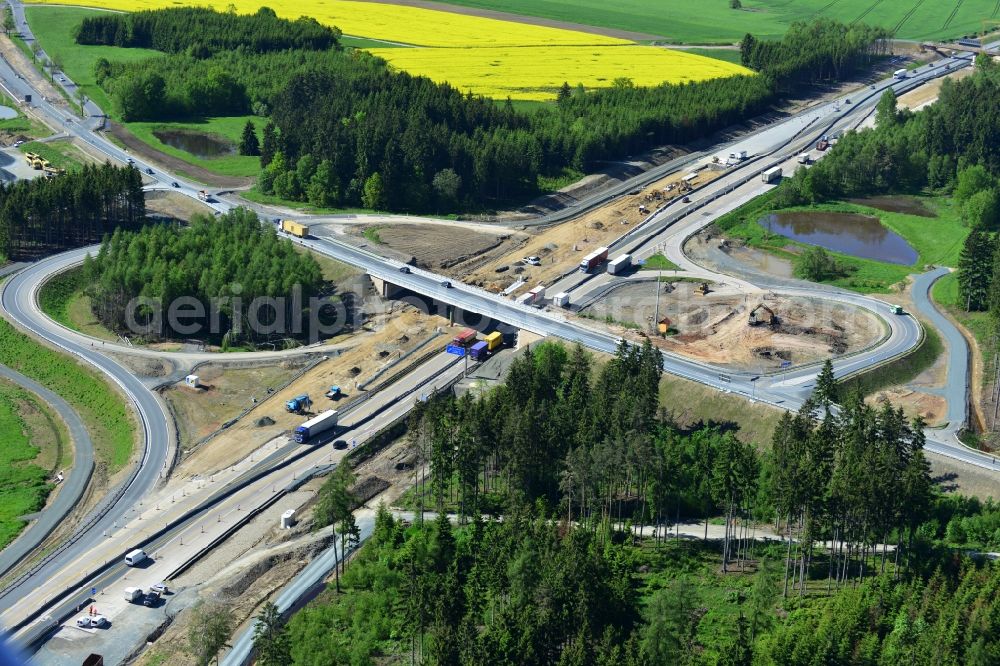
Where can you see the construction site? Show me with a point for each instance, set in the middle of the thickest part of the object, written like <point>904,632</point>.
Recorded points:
<point>495,257</point>
<point>727,327</point>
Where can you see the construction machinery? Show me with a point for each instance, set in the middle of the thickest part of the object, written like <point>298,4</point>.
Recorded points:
<point>298,404</point>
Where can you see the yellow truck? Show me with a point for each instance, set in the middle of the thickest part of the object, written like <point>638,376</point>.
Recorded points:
<point>294,228</point>
<point>494,341</point>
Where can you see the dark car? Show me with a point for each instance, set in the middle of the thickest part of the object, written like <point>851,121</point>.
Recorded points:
<point>149,171</point>
<point>446,284</point>
<point>151,599</point>
<point>404,269</point>
<point>686,200</point>
<point>340,444</point>
<point>175,184</point>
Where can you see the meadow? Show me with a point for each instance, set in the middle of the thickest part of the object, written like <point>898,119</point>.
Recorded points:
<point>712,21</point>
<point>102,409</point>
<point>938,241</point>
<point>485,56</point>
<point>24,484</point>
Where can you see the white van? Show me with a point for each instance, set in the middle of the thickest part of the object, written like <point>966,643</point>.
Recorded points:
<point>136,557</point>
<point>134,595</point>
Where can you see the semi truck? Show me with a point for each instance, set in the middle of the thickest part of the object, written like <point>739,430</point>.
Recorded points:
<point>298,404</point>
<point>459,344</point>
<point>594,259</point>
<point>294,228</point>
<point>772,175</point>
<point>480,351</point>
<point>619,264</point>
<point>315,426</point>
<point>494,341</point>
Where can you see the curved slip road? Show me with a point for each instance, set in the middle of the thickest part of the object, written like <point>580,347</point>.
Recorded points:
<point>957,387</point>
<point>153,420</point>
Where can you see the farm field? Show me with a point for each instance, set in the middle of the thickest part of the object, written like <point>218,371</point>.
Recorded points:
<point>482,55</point>
<point>535,72</point>
<point>713,21</point>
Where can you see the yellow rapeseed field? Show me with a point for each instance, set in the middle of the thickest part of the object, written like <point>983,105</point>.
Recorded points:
<point>487,56</point>
<point>536,72</point>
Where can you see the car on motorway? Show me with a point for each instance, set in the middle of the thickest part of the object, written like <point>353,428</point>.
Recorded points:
<point>136,557</point>
<point>686,200</point>
<point>340,444</point>
<point>175,184</point>
<point>404,269</point>
<point>532,261</point>
<point>149,171</point>
<point>847,101</point>
<point>446,284</point>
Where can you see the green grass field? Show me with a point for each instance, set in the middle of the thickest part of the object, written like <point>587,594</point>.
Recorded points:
<point>938,241</point>
<point>229,128</point>
<point>713,21</point>
<point>53,28</point>
<point>102,409</point>
<point>61,154</point>
<point>32,445</point>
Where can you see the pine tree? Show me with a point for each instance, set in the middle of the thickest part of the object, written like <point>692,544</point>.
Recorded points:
<point>826,391</point>
<point>975,270</point>
<point>248,142</point>
<point>271,644</point>
<point>270,144</point>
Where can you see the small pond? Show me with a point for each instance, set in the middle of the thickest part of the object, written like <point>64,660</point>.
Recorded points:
<point>856,235</point>
<point>198,144</point>
<point>6,113</point>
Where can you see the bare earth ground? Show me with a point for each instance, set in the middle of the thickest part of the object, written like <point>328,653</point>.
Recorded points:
<point>475,257</point>
<point>226,392</point>
<point>531,20</point>
<point>439,247</point>
<point>395,333</point>
<point>174,205</point>
<point>928,93</point>
<point>171,163</point>
<point>715,329</point>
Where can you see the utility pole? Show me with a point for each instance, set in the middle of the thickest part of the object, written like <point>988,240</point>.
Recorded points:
<point>656,312</point>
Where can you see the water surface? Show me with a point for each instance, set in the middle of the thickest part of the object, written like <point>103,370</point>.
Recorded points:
<point>856,235</point>
<point>198,144</point>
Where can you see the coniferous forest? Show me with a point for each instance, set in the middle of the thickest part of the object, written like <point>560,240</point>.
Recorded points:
<point>231,259</point>
<point>345,130</point>
<point>46,215</point>
<point>563,485</point>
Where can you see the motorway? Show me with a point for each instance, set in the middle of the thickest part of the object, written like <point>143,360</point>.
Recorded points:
<point>134,513</point>
<point>176,524</point>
